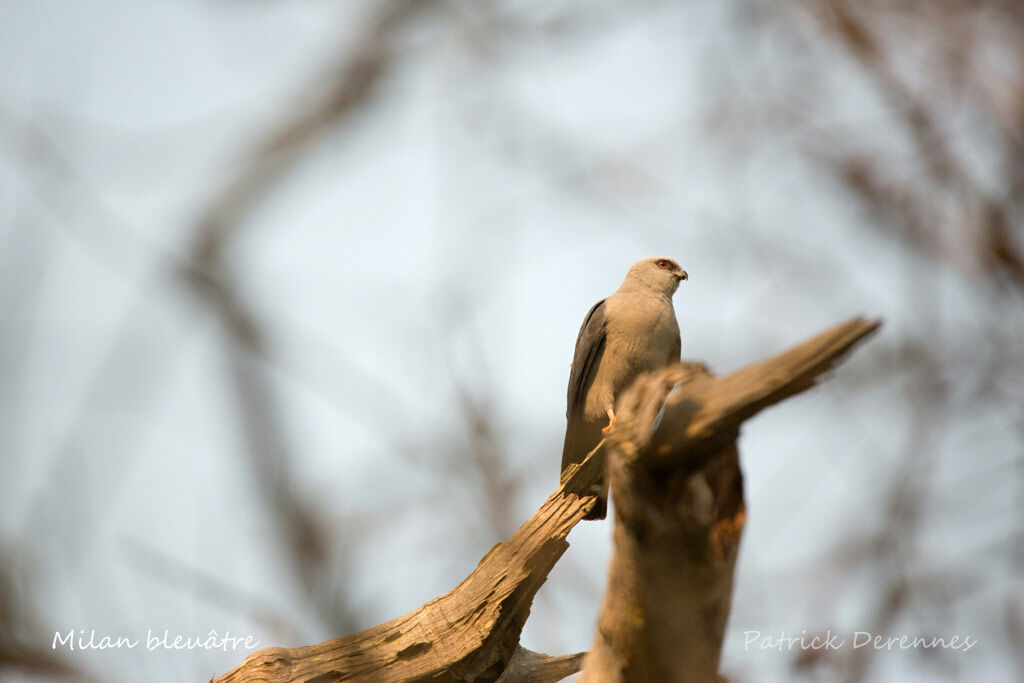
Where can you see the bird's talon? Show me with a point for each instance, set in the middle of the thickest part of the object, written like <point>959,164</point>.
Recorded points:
<point>611,422</point>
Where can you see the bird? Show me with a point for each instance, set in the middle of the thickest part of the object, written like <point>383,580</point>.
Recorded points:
<point>632,331</point>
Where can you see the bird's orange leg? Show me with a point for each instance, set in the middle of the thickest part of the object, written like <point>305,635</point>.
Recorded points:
<point>611,421</point>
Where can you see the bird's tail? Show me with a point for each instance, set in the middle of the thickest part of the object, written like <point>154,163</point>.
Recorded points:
<point>581,437</point>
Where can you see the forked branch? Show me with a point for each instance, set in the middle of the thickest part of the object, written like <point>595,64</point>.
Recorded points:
<point>679,513</point>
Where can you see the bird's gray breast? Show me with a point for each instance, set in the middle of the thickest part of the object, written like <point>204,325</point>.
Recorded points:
<point>641,334</point>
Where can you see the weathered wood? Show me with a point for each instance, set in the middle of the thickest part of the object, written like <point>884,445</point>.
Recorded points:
<point>679,514</point>
<point>679,510</point>
<point>532,667</point>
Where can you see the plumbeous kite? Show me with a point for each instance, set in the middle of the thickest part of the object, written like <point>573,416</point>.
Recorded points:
<point>632,331</point>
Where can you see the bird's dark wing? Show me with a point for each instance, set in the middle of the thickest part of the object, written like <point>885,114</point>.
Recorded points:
<point>581,434</point>
<point>589,347</point>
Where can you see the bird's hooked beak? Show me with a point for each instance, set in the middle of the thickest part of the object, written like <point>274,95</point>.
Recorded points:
<point>681,275</point>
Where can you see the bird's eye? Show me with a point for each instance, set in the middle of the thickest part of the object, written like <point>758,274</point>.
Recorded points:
<point>663,263</point>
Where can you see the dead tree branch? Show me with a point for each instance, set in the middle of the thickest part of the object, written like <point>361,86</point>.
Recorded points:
<point>678,492</point>
<point>679,509</point>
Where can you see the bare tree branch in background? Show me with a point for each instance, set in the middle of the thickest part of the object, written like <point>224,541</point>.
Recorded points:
<point>349,85</point>
<point>939,208</point>
<point>874,34</point>
<point>17,618</point>
<point>207,588</point>
<point>939,174</point>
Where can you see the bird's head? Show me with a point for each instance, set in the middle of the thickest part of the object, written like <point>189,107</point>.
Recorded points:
<point>656,273</point>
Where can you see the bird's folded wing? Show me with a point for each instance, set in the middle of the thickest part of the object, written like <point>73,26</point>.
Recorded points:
<point>589,348</point>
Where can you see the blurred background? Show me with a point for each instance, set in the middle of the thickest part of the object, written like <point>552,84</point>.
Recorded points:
<point>289,292</point>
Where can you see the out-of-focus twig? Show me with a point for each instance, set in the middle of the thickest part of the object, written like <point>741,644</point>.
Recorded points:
<point>301,530</point>
<point>207,588</point>
<point>862,31</point>
<point>350,80</point>
<point>17,620</point>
